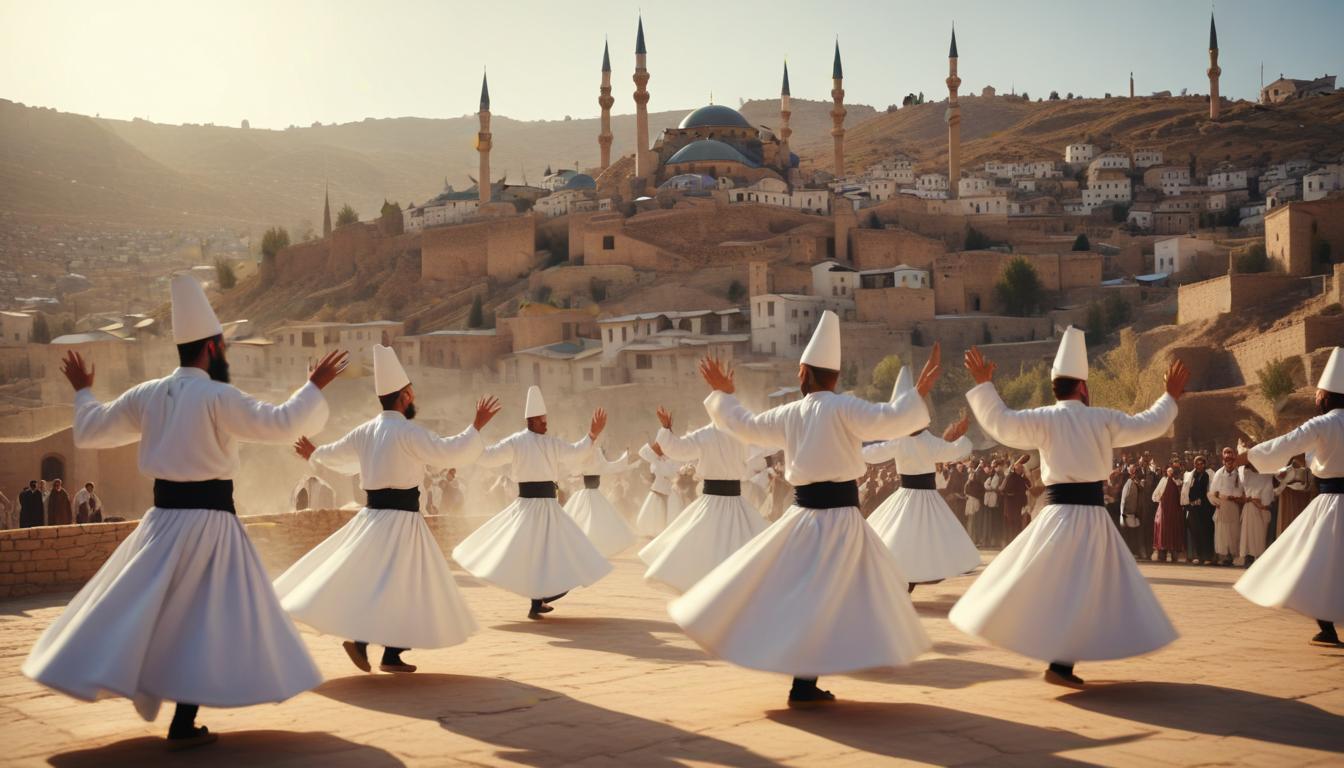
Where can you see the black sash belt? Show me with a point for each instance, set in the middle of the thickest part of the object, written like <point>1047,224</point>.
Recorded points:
<point>1330,484</point>
<point>592,482</point>
<point>827,495</point>
<point>405,499</point>
<point>1083,494</point>
<point>923,482</point>
<point>201,494</point>
<point>722,488</point>
<point>536,490</point>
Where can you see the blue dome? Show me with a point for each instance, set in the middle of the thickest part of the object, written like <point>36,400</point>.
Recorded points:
<point>714,115</point>
<point>709,150</point>
<point>580,181</point>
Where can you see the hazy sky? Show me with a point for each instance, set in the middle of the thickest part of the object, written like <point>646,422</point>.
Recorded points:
<point>279,62</point>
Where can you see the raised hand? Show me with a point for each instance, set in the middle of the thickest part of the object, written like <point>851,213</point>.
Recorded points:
<point>486,408</point>
<point>73,368</point>
<point>304,447</point>
<point>1177,377</point>
<point>331,365</point>
<point>717,375</point>
<point>664,417</point>
<point>981,369</point>
<point>958,428</point>
<point>932,367</point>
<point>599,423</point>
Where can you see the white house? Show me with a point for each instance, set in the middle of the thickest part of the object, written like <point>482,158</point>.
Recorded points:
<point>1112,190</point>
<point>560,203</point>
<point>931,185</point>
<point>1078,154</point>
<point>1322,181</point>
<point>1177,254</point>
<point>899,276</point>
<point>772,191</point>
<point>1227,177</point>
<point>831,278</point>
<point>1147,157</point>
<point>449,207</point>
<point>899,169</point>
<point>782,323</point>
<point>974,186</point>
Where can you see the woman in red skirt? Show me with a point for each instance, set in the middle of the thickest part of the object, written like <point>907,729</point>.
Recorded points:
<point>1169,527</point>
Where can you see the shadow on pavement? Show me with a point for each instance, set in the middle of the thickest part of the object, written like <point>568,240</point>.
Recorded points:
<point>939,736</point>
<point>943,673</point>
<point>627,637</point>
<point>937,608</point>
<point>1217,711</point>
<point>532,725</point>
<point>234,749</point>
<point>26,606</point>
<point>1189,582</point>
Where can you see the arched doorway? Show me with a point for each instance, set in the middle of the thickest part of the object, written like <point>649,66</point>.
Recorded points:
<point>53,467</point>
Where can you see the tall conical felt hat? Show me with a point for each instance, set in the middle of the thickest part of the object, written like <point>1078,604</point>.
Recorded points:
<point>388,375</point>
<point>903,383</point>
<point>193,318</point>
<point>535,405</point>
<point>1332,378</point>
<point>823,351</point>
<point>1071,359</point>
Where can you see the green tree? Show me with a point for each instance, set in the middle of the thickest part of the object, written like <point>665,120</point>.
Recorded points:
<point>346,215</point>
<point>1120,213</point>
<point>884,375</point>
<point>1019,288</point>
<point>1253,260</point>
<point>41,333</point>
<point>476,317</point>
<point>224,274</point>
<point>736,291</point>
<point>1116,310</point>
<point>1276,381</point>
<point>1081,243</point>
<point>975,240</point>
<point>1054,95</point>
<point>389,208</point>
<point>1028,389</point>
<point>1094,324</point>
<point>275,240</point>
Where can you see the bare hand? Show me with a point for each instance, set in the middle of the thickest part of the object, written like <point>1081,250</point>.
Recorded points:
<point>599,423</point>
<point>304,447</point>
<point>932,367</point>
<point>331,365</point>
<point>664,417</point>
<point>74,370</point>
<point>717,375</point>
<point>981,370</point>
<point>486,408</point>
<point>958,428</point>
<point>1177,376</point>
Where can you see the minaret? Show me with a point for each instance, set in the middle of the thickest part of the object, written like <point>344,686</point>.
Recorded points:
<point>483,144</point>
<point>838,112</point>
<point>326,213</point>
<point>784,130</point>
<point>1214,71</point>
<point>605,101</point>
<point>1131,85</point>
<point>643,168</point>
<point>953,121</point>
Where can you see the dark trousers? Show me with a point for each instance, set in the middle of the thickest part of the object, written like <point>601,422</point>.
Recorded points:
<point>1146,524</point>
<point>1201,518</point>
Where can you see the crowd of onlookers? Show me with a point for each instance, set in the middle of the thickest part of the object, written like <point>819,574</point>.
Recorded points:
<point>50,504</point>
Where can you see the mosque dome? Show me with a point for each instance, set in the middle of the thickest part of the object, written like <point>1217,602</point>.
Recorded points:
<point>580,181</point>
<point>714,116</point>
<point>709,150</point>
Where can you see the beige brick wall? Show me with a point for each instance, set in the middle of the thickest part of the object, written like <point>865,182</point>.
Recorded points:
<point>896,307</point>
<point>504,249</point>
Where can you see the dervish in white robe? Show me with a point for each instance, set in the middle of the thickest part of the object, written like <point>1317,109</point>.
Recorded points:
<point>663,502</point>
<point>532,548</point>
<point>1067,588</point>
<point>183,610</point>
<point>717,523</point>
<point>1303,569</point>
<point>817,593</point>
<point>594,513</point>
<point>915,523</point>
<point>1259,491</point>
<point>381,578</point>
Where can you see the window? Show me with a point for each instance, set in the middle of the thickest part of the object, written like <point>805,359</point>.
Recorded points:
<point>608,242</point>
<point>770,305</point>
<point>309,340</point>
<point>622,335</point>
<point>643,362</point>
<point>588,374</point>
<point>611,336</point>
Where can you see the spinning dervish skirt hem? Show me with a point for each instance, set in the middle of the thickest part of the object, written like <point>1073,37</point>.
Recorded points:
<point>657,512</point>
<point>1066,589</point>
<point>600,521</point>
<point>533,549</point>
<point>702,536</point>
<point>817,593</point>
<point>181,611</point>
<point>1303,569</point>
<point>381,579</point>
<point>926,538</point>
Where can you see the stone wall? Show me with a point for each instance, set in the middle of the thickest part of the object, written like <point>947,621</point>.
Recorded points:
<point>113,471</point>
<point>881,248</point>
<point>578,280</point>
<point>958,333</point>
<point>1209,299</point>
<point>896,307</point>
<point>503,249</point>
<point>1288,343</point>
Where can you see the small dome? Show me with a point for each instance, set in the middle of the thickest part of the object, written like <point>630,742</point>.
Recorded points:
<point>709,150</point>
<point>580,181</point>
<point>714,115</point>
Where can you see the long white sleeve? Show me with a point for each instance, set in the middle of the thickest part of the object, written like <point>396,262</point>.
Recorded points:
<point>1129,430</point>
<point>766,429</point>
<point>108,426</point>
<point>1275,453</point>
<point>445,452</point>
<point>944,451</point>
<point>884,451</point>
<point>879,421</point>
<point>682,449</point>
<point>497,455</point>
<point>342,455</point>
<point>251,420</point>
<point>1016,429</point>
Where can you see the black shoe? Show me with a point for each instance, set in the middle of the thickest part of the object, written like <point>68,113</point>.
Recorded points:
<point>1066,679</point>
<point>1326,640</point>
<point>536,611</point>
<point>810,698</point>
<point>198,736</point>
<point>546,600</point>
<point>358,653</point>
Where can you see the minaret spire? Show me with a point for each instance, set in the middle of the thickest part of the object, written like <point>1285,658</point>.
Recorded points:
<point>483,144</point>
<point>838,111</point>
<point>953,117</point>
<point>785,110</point>
<point>605,101</point>
<point>1215,104</point>
<point>326,211</point>
<point>643,157</point>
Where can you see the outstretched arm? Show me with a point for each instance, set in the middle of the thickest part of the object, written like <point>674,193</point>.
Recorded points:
<point>341,456</point>
<point>878,453</point>
<point>1275,453</point>
<point>1018,429</point>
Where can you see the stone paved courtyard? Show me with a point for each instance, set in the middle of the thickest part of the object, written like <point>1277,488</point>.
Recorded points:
<point>609,680</point>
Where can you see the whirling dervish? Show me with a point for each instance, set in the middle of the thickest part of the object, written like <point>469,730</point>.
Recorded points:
<point>381,578</point>
<point>663,503</point>
<point>817,593</point>
<point>1067,588</point>
<point>183,610</point>
<point>1303,569</point>
<point>532,548</point>
<point>596,516</point>
<point>915,522</point>
<point>717,523</point>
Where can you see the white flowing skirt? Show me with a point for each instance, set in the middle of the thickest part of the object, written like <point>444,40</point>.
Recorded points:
<point>657,512</point>
<point>815,594</point>
<point>182,611</point>
<point>600,521</point>
<point>532,548</point>
<point>928,541</point>
<point>381,579</point>
<point>1066,589</point>
<point>1304,568</point>
<point>704,535</point>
